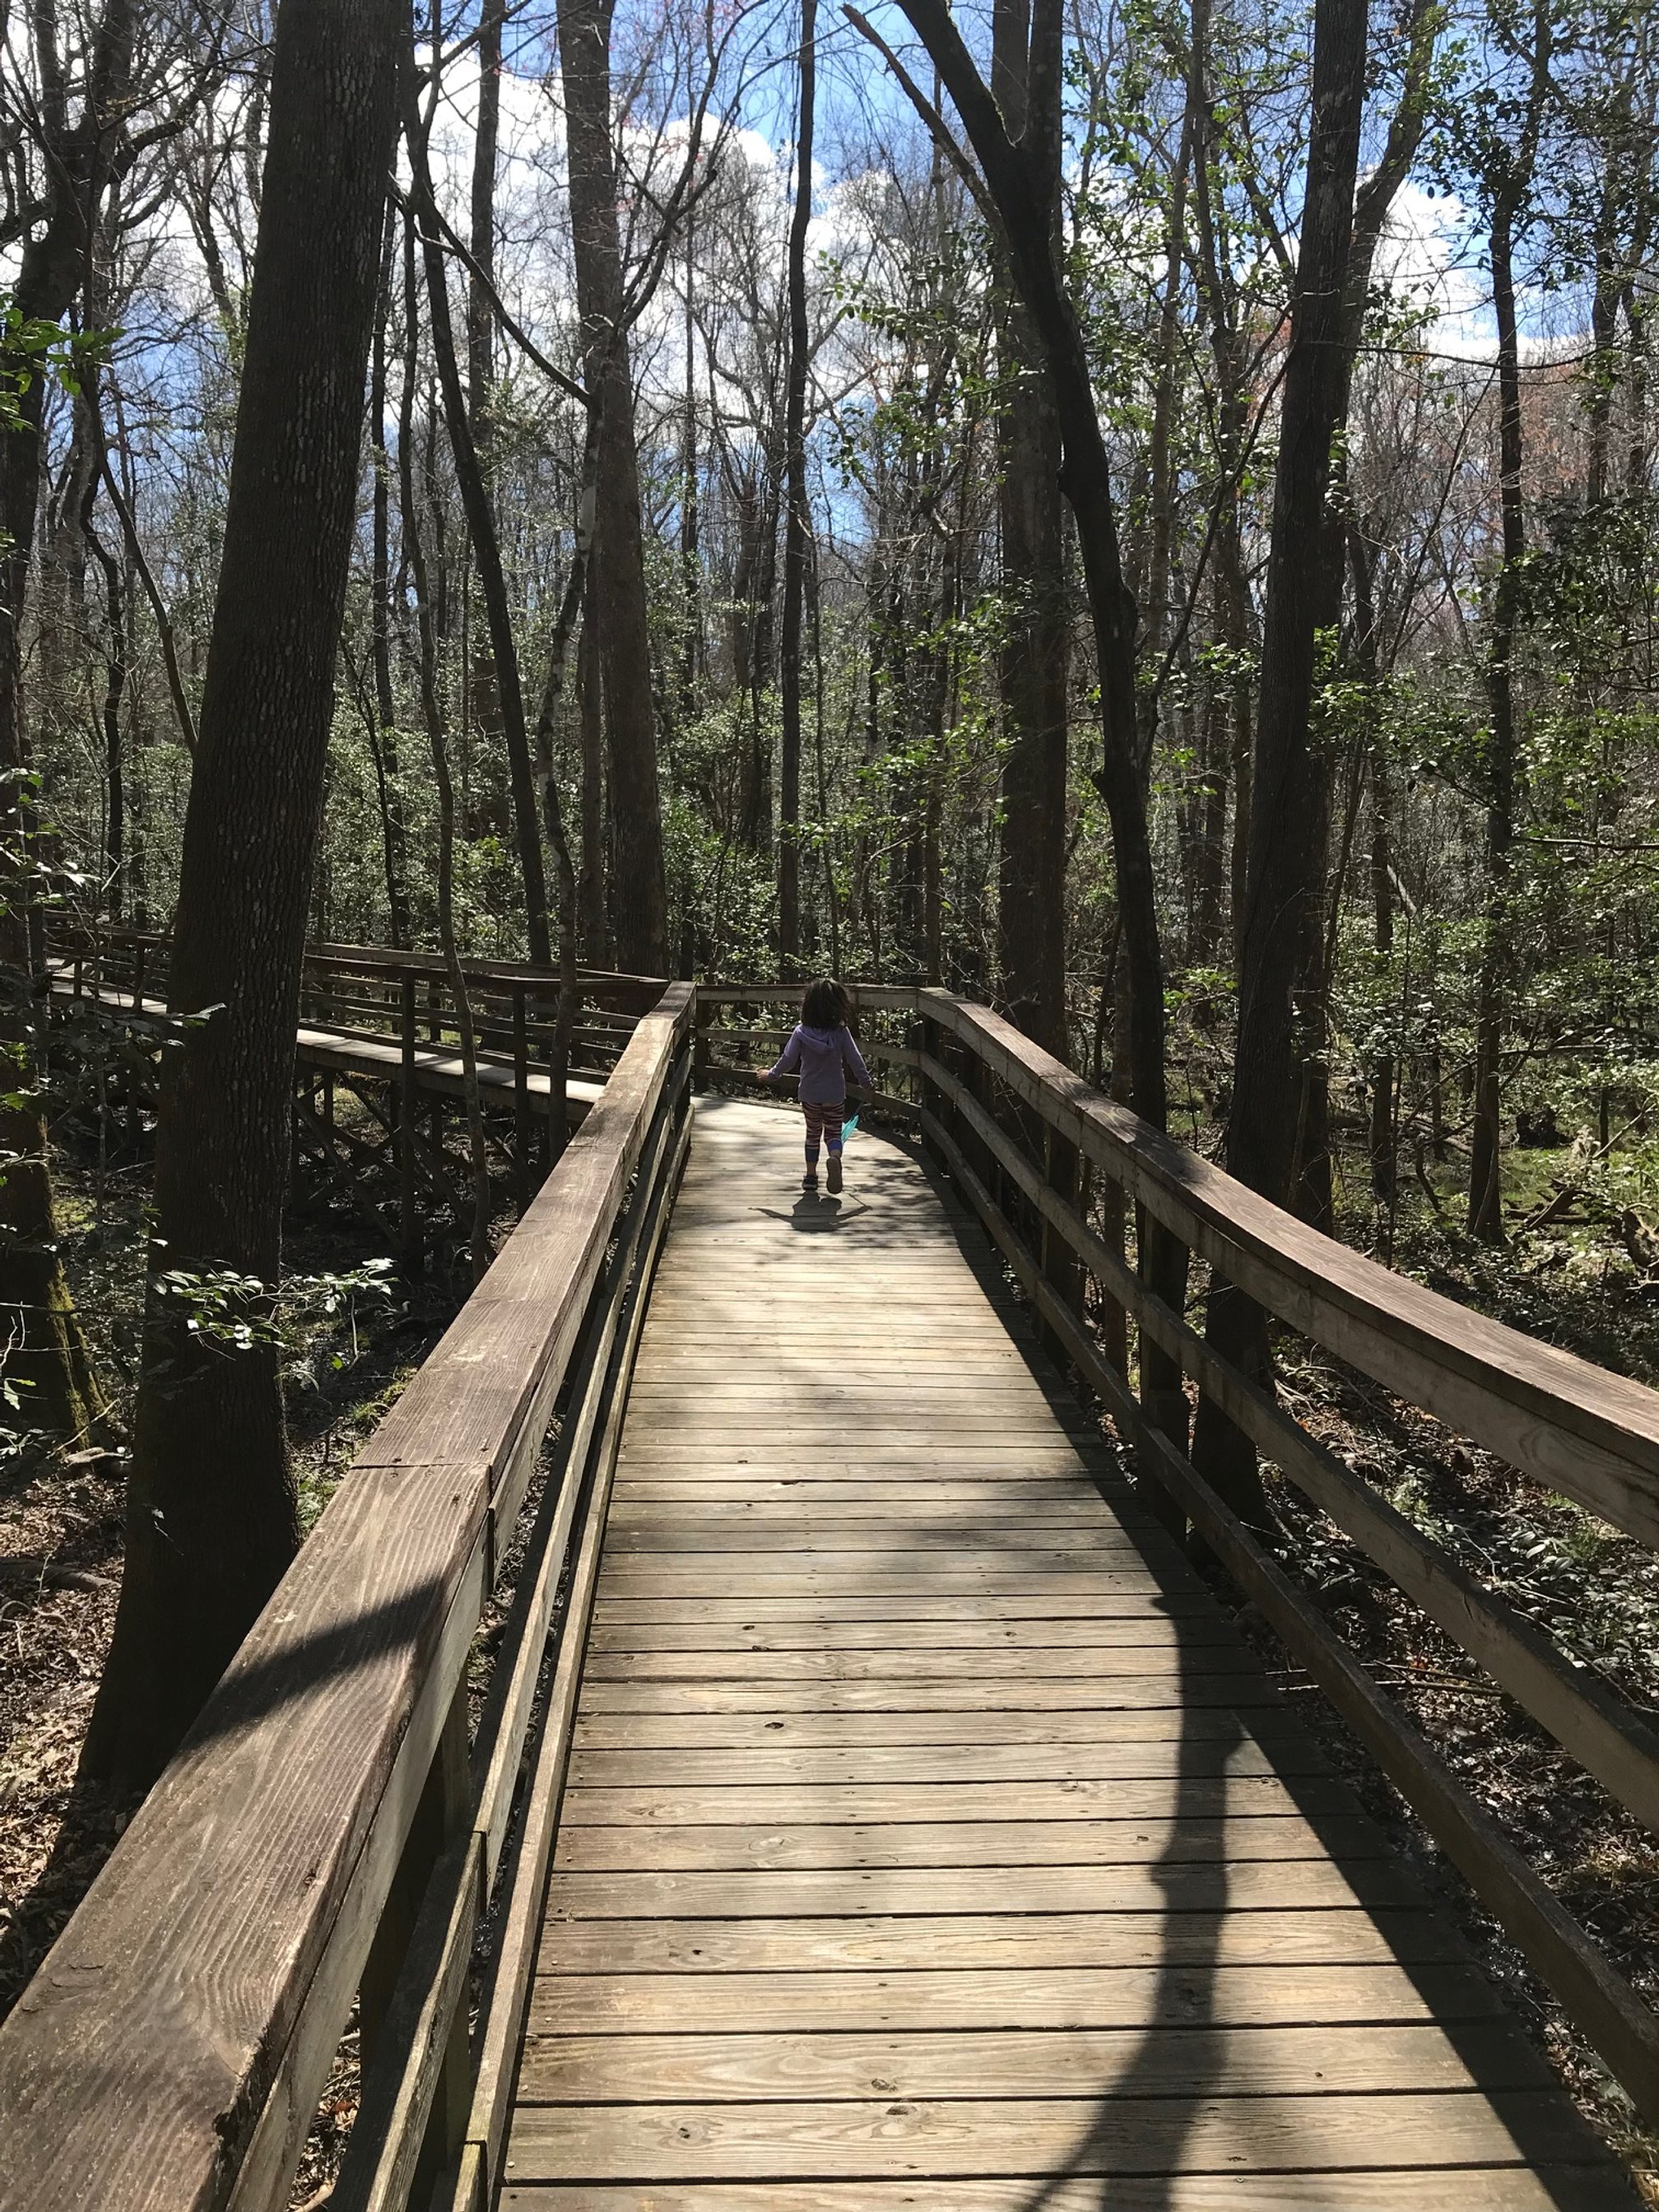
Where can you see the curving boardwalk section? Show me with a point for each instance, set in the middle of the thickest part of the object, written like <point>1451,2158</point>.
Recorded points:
<point>930,1839</point>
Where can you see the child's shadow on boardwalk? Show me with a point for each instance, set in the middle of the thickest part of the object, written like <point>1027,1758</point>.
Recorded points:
<point>813,1215</point>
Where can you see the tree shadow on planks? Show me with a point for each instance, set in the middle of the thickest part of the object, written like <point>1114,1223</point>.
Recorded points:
<point>1195,1887</point>
<point>1187,2053</point>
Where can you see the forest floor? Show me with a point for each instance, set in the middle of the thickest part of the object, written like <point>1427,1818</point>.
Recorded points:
<point>1584,1283</point>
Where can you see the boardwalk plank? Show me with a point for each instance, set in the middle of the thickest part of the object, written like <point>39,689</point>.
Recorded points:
<point>893,2139</point>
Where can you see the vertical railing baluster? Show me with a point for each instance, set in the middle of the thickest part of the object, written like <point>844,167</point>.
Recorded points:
<point>409,1232</point>
<point>520,1102</point>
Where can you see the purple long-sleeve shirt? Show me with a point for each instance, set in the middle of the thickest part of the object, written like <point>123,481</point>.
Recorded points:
<point>825,1059</point>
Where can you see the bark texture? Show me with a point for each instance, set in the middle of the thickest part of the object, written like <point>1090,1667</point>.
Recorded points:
<point>1033,670</point>
<point>211,1521</point>
<point>797,517</point>
<point>639,898</point>
<point>1285,863</point>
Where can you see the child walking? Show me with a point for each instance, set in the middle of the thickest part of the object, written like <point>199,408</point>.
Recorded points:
<point>821,1048</point>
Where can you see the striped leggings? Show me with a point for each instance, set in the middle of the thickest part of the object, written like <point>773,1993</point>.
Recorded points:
<point>823,1122</point>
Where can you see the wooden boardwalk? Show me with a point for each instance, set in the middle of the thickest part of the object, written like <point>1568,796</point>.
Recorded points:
<point>930,1839</point>
<point>437,1067</point>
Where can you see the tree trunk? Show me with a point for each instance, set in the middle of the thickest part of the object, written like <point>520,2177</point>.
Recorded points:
<point>1033,670</point>
<point>1304,605</point>
<point>1384,1072</point>
<point>1485,1204</point>
<point>591,889</point>
<point>393,835</point>
<point>797,518</point>
<point>438,740</point>
<point>507,689</point>
<point>211,1520</point>
<point>1022,179</point>
<point>639,892</point>
<point>47,1355</point>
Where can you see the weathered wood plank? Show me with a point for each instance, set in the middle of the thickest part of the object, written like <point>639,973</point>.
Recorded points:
<point>1545,2188</point>
<point>936,1843</point>
<point>968,1942</point>
<point>1311,1884</point>
<point>882,1764</point>
<point>929,1998</point>
<point>1148,1630</point>
<point>1238,1797</point>
<point>1194,1610</point>
<point>967,1694</point>
<point>1165,2062</point>
<point>922,1664</point>
<point>1113,1724</point>
<point>891,2140</point>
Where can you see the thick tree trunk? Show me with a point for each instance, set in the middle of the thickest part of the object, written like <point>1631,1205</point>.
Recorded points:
<point>797,520</point>
<point>1285,864</point>
<point>485,701</point>
<point>1022,179</point>
<point>1033,671</point>
<point>211,1505</point>
<point>639,897</point>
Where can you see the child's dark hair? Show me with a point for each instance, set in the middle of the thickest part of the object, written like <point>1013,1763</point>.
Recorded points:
<point>825,1006</point>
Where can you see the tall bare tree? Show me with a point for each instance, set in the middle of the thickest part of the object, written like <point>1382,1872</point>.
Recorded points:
<point>797,517</point>
<point>211,1501</point>
<point>639,891</point>
<point>1304,605</point>
<point>1034,664</point>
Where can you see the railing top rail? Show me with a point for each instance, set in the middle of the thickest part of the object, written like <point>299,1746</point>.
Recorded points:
<point>1576,1428</point>
<point>385,959</point>
<point>877,998</point>
<point>168,2053</point>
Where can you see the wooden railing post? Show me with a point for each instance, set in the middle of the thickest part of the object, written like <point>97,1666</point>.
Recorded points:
<point>1112,1319</point>
<point>445,1812</point>
<point>407,1225</point>
<point>704,1015</point>
<point>932,1100</point>
<point>520,1102</point>
<point>1061,1269</point>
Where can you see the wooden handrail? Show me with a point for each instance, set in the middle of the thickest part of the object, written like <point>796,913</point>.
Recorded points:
<point>1577,1429</point>
<point>1588,1434</point>
<point>171,2050</point>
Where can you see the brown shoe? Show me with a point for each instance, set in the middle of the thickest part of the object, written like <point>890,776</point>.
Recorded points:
<point>834,1172</point>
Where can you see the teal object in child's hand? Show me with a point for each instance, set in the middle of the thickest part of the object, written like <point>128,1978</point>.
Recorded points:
<point>848,1127</point>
